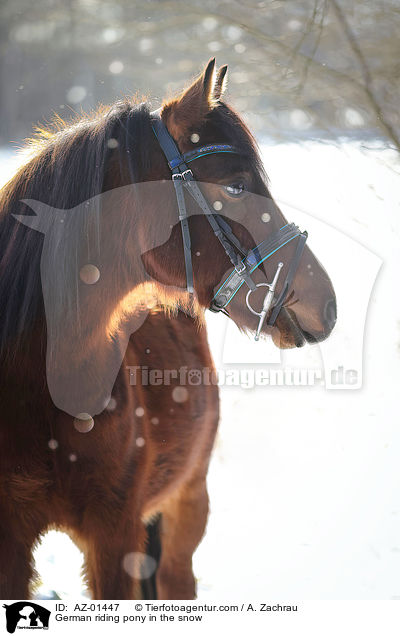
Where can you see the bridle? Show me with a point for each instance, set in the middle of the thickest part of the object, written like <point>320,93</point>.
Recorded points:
<point>243,260</point>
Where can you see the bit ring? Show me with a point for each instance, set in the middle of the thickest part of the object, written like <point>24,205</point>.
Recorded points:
<point>250,308</point>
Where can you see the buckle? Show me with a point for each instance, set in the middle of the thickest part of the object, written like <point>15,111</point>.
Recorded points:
<point>182,175</point>
<point>186,172</point>
<point>240,268</point>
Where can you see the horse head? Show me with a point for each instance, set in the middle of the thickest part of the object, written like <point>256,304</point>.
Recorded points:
<point>234,184</point>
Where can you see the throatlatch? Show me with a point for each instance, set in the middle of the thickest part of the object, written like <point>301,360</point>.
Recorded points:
<point>243,260</point>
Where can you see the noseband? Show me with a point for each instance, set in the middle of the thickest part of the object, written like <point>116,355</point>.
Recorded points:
<point>243,260</point>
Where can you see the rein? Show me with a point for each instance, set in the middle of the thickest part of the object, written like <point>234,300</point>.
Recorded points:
<point>243,260</point>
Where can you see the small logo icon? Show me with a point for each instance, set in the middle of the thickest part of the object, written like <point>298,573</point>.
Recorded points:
<point>26,615</point>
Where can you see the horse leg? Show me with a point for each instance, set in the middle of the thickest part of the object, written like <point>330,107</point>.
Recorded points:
<point>16,561</point>
<point>183,523</point>
<point>112,560</point>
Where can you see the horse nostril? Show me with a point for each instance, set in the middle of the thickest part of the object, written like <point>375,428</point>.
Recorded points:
<point>330,314</point>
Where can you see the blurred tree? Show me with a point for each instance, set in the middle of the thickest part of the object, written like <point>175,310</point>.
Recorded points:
<point>298,68</point>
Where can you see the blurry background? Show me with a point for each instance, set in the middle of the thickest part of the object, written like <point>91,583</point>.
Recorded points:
<point>300,67</point>
<point>304,483</point>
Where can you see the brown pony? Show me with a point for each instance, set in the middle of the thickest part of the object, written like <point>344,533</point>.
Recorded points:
<point>127,481</point>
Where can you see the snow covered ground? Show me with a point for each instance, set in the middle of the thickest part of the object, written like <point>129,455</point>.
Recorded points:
<point>305,481</point>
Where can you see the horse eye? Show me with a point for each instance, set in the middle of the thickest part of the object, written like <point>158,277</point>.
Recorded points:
<point>235,189</point>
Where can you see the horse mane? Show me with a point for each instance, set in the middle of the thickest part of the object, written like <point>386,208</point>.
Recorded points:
<point>67,166</point>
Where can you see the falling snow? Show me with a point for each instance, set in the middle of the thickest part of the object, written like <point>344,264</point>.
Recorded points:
<point>180,394</point>
<point>214,46</point>
<point>300,120</point>
<point>353,118</point>
<point>139,565</point>
<point>112,35</point>
<point>232,32</point>
<point>113,143</point>
<point>116,67</point>
<point>294,25</point>
<point>76,94</point>
<point>210,23</point>
<point>89,274</point>
<point>84,423</point>
<point>146,45</point>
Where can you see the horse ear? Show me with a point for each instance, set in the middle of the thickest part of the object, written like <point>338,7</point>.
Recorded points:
<point>220,82</point>
<point>188,110</point>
